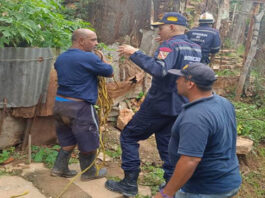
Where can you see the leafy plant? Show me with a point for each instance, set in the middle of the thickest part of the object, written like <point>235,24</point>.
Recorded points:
<point>6,153</point>
<point>36,23</point>
<point>140,95</point>
<point>250,120</point>
<point>45,155</point>
<point>154,175</point>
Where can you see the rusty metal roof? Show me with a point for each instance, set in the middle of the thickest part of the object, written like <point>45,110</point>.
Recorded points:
<point>24,75</point>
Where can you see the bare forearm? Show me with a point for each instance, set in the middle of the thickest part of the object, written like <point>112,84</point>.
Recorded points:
<point>182,173</point>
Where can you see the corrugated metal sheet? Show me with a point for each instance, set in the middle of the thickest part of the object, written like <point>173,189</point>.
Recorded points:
<point>24,75</point>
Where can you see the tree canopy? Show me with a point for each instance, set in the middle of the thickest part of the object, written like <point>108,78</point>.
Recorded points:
<point>36,23</point>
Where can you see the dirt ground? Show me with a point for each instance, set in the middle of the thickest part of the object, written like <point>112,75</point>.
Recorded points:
<point>252,168</point>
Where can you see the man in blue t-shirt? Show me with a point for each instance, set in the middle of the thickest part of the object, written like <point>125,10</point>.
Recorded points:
<point>206,36</point>
<point>203,140</point>
<point>76,119</point>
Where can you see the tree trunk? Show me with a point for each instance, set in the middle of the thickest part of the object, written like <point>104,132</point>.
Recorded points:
<point>251,54</point>
<point>237,35</point>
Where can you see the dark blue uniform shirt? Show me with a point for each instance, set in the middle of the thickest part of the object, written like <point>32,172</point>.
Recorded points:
<point>206,128</point>
<point>77,73</point>
<point>208,38</point>
<point>162,97</point>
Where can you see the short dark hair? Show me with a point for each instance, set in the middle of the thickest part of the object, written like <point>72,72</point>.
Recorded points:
<point>203,88</point>
<point>200,87</point>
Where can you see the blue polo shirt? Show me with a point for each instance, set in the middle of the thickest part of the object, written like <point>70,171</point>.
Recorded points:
<point>174,53</point>
<point>77,73</point>
<point>206,128</point>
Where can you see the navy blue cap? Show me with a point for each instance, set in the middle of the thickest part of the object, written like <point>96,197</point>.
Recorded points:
<point>171,18</point>
<point>198,73</point>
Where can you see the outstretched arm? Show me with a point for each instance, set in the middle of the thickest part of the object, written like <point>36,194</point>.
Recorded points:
<point>157,67</point>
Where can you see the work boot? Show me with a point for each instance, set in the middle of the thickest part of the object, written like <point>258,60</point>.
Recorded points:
<point>60,167</point>
<point>92,172</point>
<point>128,186</point>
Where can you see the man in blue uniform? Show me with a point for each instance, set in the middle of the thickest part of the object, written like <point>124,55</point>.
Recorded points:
<point>162,103</point>
<point>206,36</point>
<point>203,142</point>
<point>77,123</point>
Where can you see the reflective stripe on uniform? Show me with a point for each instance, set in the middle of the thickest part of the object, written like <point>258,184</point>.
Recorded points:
<point>162,63</point>
<point>188,48</point>
<point>94,116</point>
<point>203,31</point>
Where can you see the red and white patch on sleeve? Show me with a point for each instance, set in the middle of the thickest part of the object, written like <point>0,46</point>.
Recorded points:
<point>163,53</point>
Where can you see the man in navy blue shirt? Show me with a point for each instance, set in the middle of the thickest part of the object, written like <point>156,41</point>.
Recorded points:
<point>162,103</point>
<point>206,36</point>
<point>203,143</point>
<point>76,119</point>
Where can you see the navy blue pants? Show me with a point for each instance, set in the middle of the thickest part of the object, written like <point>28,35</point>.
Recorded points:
<point>205,59</point>
<point>143,124</point>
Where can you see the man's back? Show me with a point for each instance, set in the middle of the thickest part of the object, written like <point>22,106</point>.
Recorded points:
<point>208,38</point>
<point>207,129</point>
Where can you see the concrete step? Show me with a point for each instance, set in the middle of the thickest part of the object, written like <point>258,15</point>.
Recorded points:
<point>14,186</point>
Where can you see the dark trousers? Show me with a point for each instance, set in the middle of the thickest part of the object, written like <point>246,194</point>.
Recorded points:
<point>143,124</point>
<point>77,123</point>
<point>205,59</point>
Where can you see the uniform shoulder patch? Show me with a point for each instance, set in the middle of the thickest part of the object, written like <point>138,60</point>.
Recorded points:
<point>163,52</point>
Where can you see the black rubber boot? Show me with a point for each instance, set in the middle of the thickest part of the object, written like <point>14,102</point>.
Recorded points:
<point>128,186</point>
<point>60,167</point>
<point>91,173</point>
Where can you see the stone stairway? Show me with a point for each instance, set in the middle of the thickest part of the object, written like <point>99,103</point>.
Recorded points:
<point>227,65</point>
<point>227,59</point>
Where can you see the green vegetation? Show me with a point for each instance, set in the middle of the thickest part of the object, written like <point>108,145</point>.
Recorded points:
<point>253,178</point>
<point>6,154</point>
<point>240,50</point>
<point>36,23</point>
<point>153,177</point>
<point>103,46</point>
<point>115,153</point>
<point>47,155</point>
<point>140,96</point>
<point>251,121</point>
<point>227,43</point>
<point>227,72</point>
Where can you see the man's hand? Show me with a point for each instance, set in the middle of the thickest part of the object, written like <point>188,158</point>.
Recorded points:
<point>158,195</point>
<point>100,55</point>
<point>127,50</point>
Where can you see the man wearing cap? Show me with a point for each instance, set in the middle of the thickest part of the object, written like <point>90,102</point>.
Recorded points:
<point>206,36</point>
<point>162,103</point>
<point>203,143</point>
